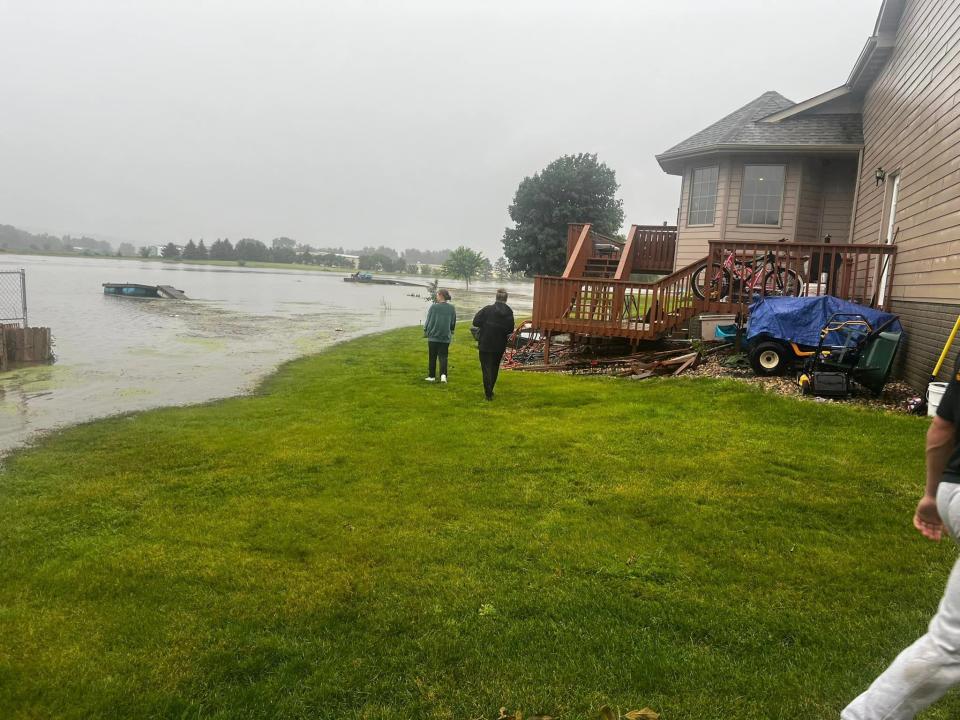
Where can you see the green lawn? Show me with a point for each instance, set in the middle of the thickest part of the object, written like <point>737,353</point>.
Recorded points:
<point>353,542</point>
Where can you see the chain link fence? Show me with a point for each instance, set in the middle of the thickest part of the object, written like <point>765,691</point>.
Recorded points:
<point>13,297</point>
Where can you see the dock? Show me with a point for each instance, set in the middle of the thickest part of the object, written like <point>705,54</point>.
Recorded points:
<point>143,291</point>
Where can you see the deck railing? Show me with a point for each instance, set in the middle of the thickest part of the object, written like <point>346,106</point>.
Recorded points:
<point>739,271</point>
<point>615,308</point>
<point>730,277</point>
<point>648,249</point>
<point>655,248</point>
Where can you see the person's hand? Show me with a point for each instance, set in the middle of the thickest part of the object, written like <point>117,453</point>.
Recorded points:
<point>927,520</point>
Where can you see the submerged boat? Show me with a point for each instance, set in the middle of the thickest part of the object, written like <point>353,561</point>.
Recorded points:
<point>145,291</point>
<point>365,277</point>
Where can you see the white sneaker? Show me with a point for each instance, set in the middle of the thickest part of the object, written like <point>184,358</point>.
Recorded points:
<point>429,379</point>
<point>443,378</point>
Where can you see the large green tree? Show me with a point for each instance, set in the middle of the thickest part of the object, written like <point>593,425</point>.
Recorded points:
<point>572,189</point>
<point>465,264</point>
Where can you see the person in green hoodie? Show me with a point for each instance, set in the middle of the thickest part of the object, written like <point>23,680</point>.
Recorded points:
<point>438,330</point>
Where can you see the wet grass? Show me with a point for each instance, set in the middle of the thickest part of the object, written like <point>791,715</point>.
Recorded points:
<point>355,543</point>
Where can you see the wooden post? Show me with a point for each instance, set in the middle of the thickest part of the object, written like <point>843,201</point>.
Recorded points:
<point>546,349</point>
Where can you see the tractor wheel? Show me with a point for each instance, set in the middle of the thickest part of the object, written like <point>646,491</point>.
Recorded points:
<point>769,358</point>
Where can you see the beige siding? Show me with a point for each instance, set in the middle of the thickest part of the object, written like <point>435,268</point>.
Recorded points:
<point>788,220</point>
<point>810,205</point>
<point>928,325</point>
<point>839,182</point>
<point>692,241</point>
<point>911,123</point>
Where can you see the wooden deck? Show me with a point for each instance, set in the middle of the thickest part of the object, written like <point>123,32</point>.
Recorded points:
<point>612,307</point>
<point>648,249</point>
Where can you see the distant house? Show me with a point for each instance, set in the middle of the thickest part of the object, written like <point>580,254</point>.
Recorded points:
<point>353,259</point>
<point>857,190</point>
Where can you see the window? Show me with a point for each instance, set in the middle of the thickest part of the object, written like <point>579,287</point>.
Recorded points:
<point>703,196</point>
<point>761,196</point>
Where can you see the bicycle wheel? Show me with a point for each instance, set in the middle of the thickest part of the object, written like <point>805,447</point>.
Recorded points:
<point>713,285</point>
<point>781,282</point>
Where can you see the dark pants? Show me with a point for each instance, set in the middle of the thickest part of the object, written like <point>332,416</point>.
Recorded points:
<point>437,350</point>
<point>490,367</point>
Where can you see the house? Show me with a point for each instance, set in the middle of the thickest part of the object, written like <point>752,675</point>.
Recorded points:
<point>854,192</point>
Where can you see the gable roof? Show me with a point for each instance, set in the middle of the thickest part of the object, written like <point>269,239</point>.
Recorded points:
<point>743,129</point>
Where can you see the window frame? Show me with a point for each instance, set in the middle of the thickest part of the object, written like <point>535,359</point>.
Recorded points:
<point>783,194</point>
<point>716,195</point>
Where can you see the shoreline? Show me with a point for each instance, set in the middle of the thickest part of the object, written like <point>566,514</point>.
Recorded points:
<point>120,355</point>
<point>252,390</point>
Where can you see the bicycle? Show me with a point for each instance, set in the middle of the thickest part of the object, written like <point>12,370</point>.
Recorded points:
<point>736,278</point>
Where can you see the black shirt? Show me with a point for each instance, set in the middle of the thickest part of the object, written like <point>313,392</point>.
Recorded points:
<point>495,323</point>
<point>949,410</point>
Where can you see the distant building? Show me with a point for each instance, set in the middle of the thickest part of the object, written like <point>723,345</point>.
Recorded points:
<point>355,259</point>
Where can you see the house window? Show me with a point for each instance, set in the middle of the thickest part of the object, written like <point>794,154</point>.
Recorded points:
<point>703,196</point>
<point>761,197</point>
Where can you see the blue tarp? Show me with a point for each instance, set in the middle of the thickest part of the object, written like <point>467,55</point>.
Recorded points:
<point>800,319</point>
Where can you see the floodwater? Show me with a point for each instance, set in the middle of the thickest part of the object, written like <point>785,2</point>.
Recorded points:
<point>116,354</point>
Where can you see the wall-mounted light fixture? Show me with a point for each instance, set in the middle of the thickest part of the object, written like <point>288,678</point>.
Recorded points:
<point>880,175</point>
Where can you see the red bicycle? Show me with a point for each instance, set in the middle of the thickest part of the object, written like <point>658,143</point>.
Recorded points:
<point>736,279</point>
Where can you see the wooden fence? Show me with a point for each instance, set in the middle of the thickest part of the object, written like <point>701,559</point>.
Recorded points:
<point>24,345</point>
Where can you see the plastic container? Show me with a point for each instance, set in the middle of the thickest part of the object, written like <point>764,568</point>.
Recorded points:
<point>709,324</point>
<point>725,332</point>
<point>935,391</point>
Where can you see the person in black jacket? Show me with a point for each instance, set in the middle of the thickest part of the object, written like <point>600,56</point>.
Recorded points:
<point>496,324</point>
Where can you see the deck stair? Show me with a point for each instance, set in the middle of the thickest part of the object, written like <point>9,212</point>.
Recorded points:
<point>601,267</point>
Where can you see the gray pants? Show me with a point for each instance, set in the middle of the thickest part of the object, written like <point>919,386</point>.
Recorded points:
<point>923,672</point>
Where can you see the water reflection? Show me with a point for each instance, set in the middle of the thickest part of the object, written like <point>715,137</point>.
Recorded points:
<point>116,354</point>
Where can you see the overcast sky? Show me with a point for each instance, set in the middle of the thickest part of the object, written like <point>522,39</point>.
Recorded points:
<point>405,122</point>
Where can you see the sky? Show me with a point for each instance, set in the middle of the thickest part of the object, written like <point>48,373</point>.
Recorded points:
<point>406,123</point>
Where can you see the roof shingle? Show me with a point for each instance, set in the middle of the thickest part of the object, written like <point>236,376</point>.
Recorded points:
<point>742,127</point>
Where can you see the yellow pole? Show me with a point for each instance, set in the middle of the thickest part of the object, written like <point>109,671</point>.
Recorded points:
<point>946,349</point>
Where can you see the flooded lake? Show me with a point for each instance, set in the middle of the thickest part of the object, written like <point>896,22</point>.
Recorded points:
<point>116,354</point>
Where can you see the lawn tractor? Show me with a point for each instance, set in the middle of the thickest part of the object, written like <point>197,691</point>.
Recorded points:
<point>831,341</point>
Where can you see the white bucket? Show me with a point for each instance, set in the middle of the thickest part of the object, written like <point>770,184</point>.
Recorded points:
<point>935,391</point>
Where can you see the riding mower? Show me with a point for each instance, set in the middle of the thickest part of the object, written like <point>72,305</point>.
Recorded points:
<point>865,356</point>
<point>823,335</point>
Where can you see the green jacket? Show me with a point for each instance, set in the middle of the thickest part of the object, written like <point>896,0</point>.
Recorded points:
<point>440,322</point>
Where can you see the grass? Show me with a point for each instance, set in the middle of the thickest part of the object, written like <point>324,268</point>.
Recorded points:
<point>352,542</point>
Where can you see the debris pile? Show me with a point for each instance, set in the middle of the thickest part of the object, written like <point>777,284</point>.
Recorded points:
<point>582,360</point>
<point>691,359</point>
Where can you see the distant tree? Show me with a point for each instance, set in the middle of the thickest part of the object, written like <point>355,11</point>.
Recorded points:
<point>501,268</point>
<point>222,250</point>
<point>249,249</point>
<point>284,243</point>
<point>144,252</point>
<point>202,253</point>
<point>376,261</point>
<point>333,260</point>
<point>486,270</point>
<point>572,189</point>
<point>381,250</point>
<point>432,288</point>
<point>126,250</point>
<point>190,250</point>
<point>283,253</point>
<point>464,264</point>
<point>171,252</point>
